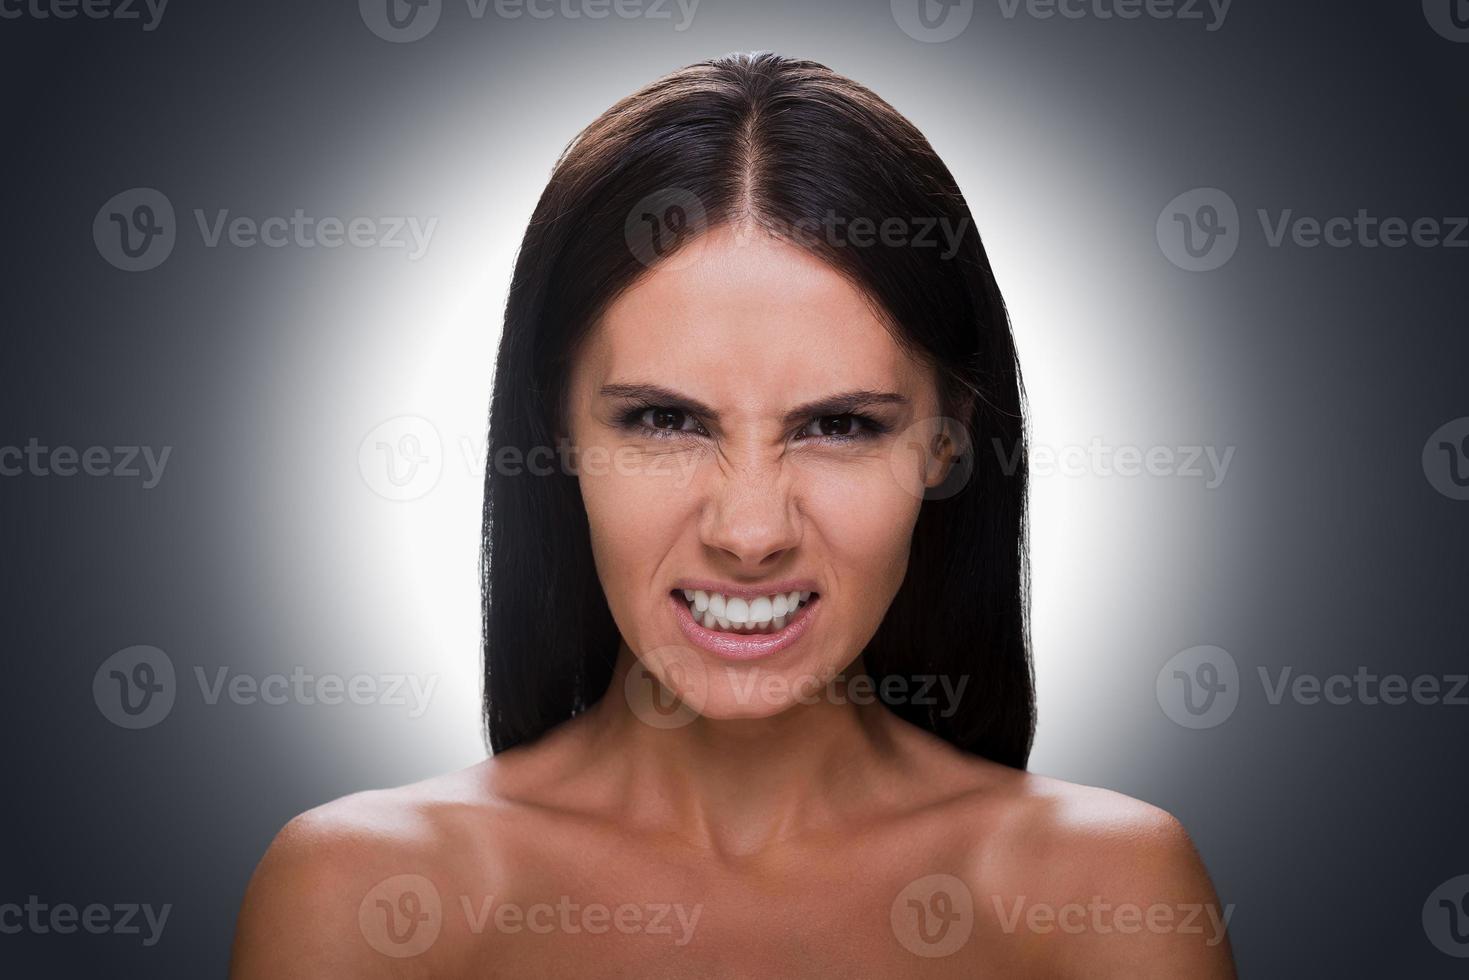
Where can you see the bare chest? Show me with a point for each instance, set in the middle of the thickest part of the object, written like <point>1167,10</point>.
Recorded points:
<point>636,917</point>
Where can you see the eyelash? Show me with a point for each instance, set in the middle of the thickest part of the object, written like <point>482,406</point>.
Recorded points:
<point>632,419</point>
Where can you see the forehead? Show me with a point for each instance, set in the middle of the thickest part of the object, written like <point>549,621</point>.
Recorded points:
<point>745,317</point>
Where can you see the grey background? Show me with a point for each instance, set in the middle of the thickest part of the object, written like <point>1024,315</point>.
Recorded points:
<point>266,547</point>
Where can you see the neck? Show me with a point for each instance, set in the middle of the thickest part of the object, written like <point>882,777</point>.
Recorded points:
<point>738,786</point>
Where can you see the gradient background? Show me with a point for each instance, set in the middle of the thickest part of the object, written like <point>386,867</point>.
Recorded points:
<point>265,546</point>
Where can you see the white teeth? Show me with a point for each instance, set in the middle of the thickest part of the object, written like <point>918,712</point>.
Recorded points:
<point>762,614</point>
<point>761,610</point>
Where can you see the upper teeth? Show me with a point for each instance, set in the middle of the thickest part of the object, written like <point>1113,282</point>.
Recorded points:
<point>732,612</point>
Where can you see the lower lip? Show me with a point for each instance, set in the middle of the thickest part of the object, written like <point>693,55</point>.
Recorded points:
<point>743,646</point>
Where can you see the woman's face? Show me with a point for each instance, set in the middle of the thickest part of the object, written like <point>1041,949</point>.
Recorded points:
<point>721,448</point>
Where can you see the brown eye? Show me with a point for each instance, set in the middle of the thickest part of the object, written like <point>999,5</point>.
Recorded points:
<point>836,425</point>
<point>666,422</point>
<point>848,427</point>
<point>667,418</point>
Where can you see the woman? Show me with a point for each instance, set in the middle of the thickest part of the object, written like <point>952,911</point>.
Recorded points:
<point>757,671</point>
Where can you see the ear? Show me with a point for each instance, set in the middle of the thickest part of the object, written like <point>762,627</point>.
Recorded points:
<point>948,442</point>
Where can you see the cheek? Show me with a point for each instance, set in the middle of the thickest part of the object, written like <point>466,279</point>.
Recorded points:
<point>864,519</point>
<point>635,508</point>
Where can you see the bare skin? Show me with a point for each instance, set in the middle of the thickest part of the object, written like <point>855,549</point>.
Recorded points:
<point>766,836</point>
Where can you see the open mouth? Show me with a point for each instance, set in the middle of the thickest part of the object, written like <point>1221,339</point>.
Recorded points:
<point>743,628</point>
<point>736,615</point>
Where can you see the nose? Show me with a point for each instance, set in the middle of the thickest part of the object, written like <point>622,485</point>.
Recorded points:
<point>750,518</point>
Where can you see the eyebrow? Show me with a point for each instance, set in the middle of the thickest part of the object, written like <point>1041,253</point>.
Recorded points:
<point>838,404</point>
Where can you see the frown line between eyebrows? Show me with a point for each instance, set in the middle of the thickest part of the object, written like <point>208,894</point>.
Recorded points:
<point>838,404</point>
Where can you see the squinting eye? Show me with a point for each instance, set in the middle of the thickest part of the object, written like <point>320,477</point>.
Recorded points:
<point>838,427</point>
<point>668,420</point>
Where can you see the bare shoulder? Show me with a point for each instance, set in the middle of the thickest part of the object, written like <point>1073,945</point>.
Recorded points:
<point>315,904</point>
<point>1095,881</point>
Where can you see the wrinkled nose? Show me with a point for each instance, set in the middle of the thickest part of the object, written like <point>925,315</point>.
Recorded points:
<point>750,518</point>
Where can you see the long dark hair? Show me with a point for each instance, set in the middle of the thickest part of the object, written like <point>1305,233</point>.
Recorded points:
<point>787,144</point>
